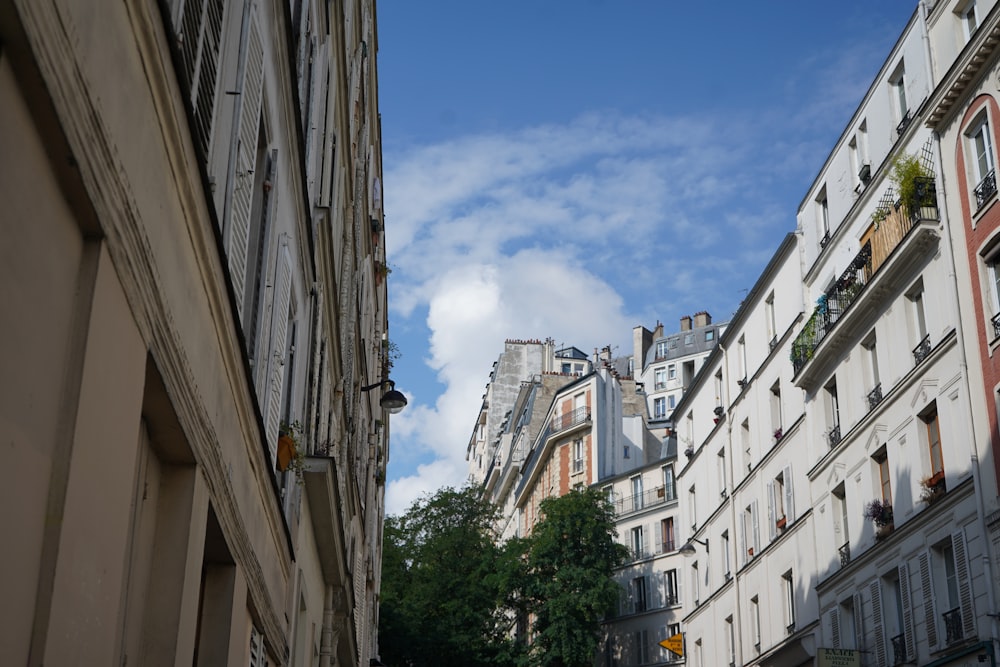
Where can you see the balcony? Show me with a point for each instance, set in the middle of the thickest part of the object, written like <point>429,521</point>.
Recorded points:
<point>875,396</point>
<point>904,123</point>
<point>845,554</point>
<point>640,501</point>
<point>900,239</point>
<point>833,436</point>
<point>985,190</point>
<point>899,649</point>
<point>569,420</point>
<point>922,350</point>
<point>996,325</point>
<point>953,626</point>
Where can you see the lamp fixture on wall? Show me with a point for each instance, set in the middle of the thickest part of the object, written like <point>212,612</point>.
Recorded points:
<point>392,400</point>
<point>688,548</point>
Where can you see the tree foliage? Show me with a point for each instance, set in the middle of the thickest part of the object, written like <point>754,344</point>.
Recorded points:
<point>572,554</point>
<point>452,596</point>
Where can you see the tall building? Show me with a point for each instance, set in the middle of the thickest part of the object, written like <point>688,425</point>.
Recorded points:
<point>194,273</point>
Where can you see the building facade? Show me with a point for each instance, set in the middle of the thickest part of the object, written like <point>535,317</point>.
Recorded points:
<point>195,274</point>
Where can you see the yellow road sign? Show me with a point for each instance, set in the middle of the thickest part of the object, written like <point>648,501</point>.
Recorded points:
<point>675,643</point>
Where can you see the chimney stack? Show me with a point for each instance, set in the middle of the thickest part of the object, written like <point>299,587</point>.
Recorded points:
<point>702,319</point>
<point>685,323</point>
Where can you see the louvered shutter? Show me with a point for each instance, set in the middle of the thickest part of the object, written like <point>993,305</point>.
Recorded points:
<point>789,496</point>
<point>246,154</point>
<point>756,527</point>
<point>927,588</point>
<point>772,531</point>
<point>658,547</point>
<point>833,625</point>
<point>859,622</point>
<point>744,546</point>
<point>878,633</point>
<point>964,584</point>
<point>199,41</point>
<point>257,266</point>
<point>279,318</point>
<point>905,598</point>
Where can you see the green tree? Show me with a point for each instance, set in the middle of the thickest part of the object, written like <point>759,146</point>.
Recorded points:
<point>444,583</point>
<point>570,558</point>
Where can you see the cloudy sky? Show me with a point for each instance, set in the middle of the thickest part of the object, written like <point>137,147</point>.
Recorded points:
<point>572,169</point>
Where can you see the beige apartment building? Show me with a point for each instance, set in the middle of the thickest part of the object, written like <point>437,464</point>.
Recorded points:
<point>193,268</point>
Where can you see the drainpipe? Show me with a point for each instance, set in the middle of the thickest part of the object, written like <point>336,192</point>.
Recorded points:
<point>964,366</point>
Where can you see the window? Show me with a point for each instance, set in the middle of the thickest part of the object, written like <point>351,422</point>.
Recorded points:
<point>897,86</point>
<point>776,417</point>
<point>823,206</point>
<point>721,471</point>
<point>730,640</point>
<point>671,402</point>
<point>982,165</point>
<point>661,349</point>
<point>672,372</point>
<point>743,361</point>
<point>840,524</point>
<point>832,411</point>
<point>638,546</point>
<point>726,568</point>
<point>669,490</point>
<point>659,408</point>
<point>689,339</point>
<point>695,584</point>
<point>625,452</point>
<point>755,620</point>
<point>896,612</point>
<point>789,601</point>
<point>578,455</point>
<point>968,17</point>
<point>692,508</point>
<point>637,500</point>
<point>660,378</point>
<point>670,586</point>
<point>642,646</point>
<point>639,594</point>
<point>930,419</point>
<point>918,322</point>
<point>881,460</point>
<point>780,502</point>
<point>952,588</point>
<point>671,630</point>
<point>710,335</point>
<point>667,543</point>
<point>872,380</point>
<point>772,329</point>
<point>993,306</point>
<point>750,532</point>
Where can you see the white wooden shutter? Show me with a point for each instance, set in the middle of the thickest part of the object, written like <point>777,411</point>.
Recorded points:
<point>833,626</point>
<point>199,39</point>
<point>789,496</point>
<point>744,546</point>
<point>756,528</point>
<point>658,526</point>
<point>927,588</point>
<point>246,157</point>
<point>878,629</point>
<point>859,622</point>
<point>904,595</point>
<point>279,317</point>
<point>772,530</point>
<point>964,584</point>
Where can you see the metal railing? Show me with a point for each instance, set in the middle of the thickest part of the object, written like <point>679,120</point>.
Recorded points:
<point>569,420</point>
<point>922,350</point>
<point>845,553</point>
<point>640,501</point>
<point>833,436</point>
<point>996,325</point>
<point>875,396</point>
<point>985,189</point>
<point>953,626</point>
<point>898,649</point>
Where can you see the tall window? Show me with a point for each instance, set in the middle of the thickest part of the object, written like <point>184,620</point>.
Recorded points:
<point>776,418</point>
<point>969,18</point>
<point>637,500</point>
<point>639,594</point>
<point>789,600</point>
<point>642,646</point>
<point>755,620</point>
<point>882,467</point>
<point>660,407</point>
<point>897,84</point>
<point>726,567</point>
<point>671,587</point>
<point>981,149</point>
<point>918,321</point>
<point>730,640</point>
<point>578,455</point>
<point>669,488</point>
<point>874,382</point>
<point>993,276</point>
<point>823,211</point>
<point>832,412</point>
<point>638,550</point>
<point>695,584</point>
<point>660,378</point>
<point>692,510</point>
<point>840,523</point>
<point>672,372</point>
<point>930,419</point>
<point>661,349</point>
<point>772,329</point>
<point>667,543</point>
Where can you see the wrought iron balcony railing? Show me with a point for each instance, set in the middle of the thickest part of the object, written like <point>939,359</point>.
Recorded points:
<point>833,436</point>
<point>953,626</point>
<point>845,553</point>
<point>922,349</point>
<point>875,396</point>
<point>986,188</point>
<point>996,325</point>
<point>899,649</point>
<point>904,122</point>
<point>569,420</point>
<point>636,502</point>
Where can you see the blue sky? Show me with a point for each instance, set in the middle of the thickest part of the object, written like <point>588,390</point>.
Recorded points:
<point>574,169</point>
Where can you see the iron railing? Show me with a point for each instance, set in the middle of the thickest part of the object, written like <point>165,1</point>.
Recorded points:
<point>996,325</point>
<point>639,501</point>
<point>953,626</point>
<point>845,553</point>
<point>899,649</point>
<point>875,396</point>
<point>985,189</point>
<point>922,350</point>
<point>904,122</point>
<point>833,436</point>
<point>569,420</point>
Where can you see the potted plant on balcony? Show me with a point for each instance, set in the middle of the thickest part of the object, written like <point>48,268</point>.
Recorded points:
<point>879,512</point>
<point>910,177</point>
<point>932,488</point>
<point>291,456</point>
<point>777,434</point>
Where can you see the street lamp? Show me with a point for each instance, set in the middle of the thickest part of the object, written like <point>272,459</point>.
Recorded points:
<point>688,548</point>
<point>392,400</point>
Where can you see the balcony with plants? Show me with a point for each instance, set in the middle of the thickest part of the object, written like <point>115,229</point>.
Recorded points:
<point>901,234</point>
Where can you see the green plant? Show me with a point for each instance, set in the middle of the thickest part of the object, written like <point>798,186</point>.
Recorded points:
<point>907,169</point>
<point>291,454</point>
<point>879,512</point>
